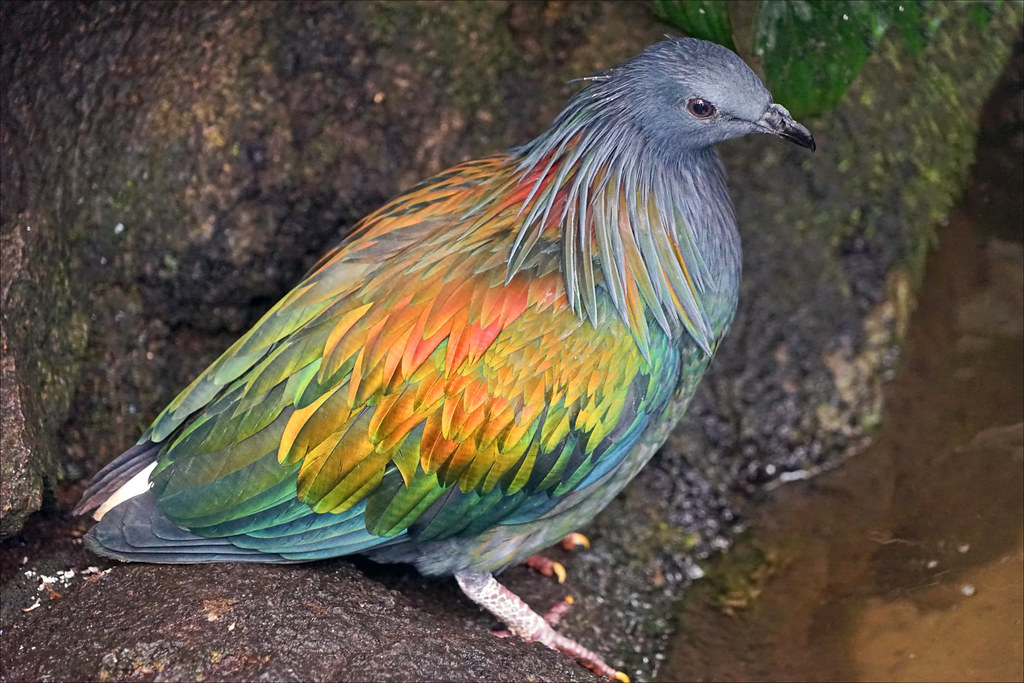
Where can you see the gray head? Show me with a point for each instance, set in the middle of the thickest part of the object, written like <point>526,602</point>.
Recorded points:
<point>639,139</point>
<point>687,94</point>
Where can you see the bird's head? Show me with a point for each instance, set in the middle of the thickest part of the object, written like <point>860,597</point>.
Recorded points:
<point>686,94</point>
<point>639,138</point>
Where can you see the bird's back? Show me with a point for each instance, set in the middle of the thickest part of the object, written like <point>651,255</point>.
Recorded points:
<point>410,398</point>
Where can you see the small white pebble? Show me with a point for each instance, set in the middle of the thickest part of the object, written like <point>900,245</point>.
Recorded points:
<point>797,475</point>
<point>967,590</point>
<point>932,564</point>
<point>963,548</point>
<point>119,228</point>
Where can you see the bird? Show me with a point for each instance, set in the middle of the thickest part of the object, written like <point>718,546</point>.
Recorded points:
<point>481,365</point>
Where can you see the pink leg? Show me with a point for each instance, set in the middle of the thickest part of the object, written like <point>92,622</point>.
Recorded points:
<point>484,590</point>
<point>552,616</point>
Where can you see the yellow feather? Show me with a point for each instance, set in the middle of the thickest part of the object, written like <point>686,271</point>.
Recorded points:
<point>298,419</point>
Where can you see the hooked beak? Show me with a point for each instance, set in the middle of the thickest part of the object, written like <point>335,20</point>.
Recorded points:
<point>778,121</point>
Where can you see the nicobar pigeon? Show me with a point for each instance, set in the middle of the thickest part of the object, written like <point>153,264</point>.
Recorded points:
<point>481,365</point>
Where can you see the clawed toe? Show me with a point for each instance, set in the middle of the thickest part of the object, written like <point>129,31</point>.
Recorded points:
<point>546,566</point>
<point>575,540</point>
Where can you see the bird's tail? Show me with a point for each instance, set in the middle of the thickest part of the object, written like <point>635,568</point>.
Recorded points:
<point>116,474</point>
<point>138,531</point>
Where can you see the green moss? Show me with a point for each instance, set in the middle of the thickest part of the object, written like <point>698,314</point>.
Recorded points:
<point>920,121</point>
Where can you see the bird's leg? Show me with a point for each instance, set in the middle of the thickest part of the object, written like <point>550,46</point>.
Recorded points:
<point>548,567</point>
<point>552,616</point>
<point>484,590</point>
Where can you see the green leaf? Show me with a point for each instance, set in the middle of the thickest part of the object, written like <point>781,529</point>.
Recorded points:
<point>814,49</point>
<point>704,19</point>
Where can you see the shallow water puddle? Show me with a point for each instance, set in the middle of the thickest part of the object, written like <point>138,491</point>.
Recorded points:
<point>907,563</point>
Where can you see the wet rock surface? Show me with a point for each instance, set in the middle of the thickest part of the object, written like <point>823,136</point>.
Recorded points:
<point>317,622</point>
<point>169,171</point>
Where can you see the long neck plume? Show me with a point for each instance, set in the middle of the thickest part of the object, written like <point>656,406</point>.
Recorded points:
<point>631,210</point>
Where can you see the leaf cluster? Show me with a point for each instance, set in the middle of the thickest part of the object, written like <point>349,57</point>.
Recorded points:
<point>812,50</point>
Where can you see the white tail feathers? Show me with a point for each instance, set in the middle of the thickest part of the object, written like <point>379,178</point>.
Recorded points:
<point>135,486</point>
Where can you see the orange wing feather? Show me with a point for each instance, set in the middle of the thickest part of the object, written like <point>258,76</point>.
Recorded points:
<point>408,349</point>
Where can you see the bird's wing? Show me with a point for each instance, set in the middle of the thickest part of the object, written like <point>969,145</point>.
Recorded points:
<point>406,353</point>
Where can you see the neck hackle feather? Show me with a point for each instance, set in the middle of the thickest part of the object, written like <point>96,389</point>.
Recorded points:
<point>619,205</point>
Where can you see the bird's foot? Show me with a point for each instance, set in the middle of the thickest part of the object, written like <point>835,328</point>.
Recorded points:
<point>557,611</point>
<point>546,566</point>
<point>568,646</point>
<point>484,590</point>
<point>549,567</point>
<point>575,540</point>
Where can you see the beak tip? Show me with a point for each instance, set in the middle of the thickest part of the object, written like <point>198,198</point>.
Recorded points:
<point>800,135</point>
<point>778,120</point>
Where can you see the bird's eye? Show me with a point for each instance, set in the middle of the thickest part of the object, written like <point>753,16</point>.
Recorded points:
<point>701,108</point>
